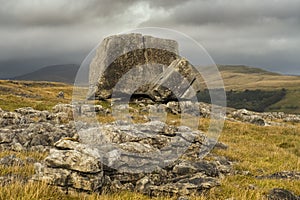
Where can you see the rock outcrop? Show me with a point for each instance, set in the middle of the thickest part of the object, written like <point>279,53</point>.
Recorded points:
<point>79,166</point>
<point>29,129</point>
<point>289,175</point>
<point>76,162</point>
<point>262,119</point>
<point>139,64</point>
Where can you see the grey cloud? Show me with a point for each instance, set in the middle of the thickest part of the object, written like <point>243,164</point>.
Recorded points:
<point>58,13</point>
<point>258,33</point>
<point>167,4</point>
<point>231,12</point>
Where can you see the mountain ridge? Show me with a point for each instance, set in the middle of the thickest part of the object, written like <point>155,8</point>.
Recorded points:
<point>67,72</point>
<point>54,73</point>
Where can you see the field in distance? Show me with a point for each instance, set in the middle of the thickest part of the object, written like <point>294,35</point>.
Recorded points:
<point>42,95</point>
<point>240,78</point>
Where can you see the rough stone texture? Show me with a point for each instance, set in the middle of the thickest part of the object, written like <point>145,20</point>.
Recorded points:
<point>180,78</point>
<point>11,160</point>
<point>114,47</point>
<point>10,179</point>
<point>141,65</point>
<point>73,160</point>
<point>78,165</point>
<point>118,54</point>
<point>29,129</point>
<point>262,119</point>
<point>72,164</point>
<point>282,194</point>
<point>248,116</point>
<point>290,175</point>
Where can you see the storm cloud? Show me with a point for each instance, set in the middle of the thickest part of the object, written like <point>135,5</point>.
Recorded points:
<point>36,33</point>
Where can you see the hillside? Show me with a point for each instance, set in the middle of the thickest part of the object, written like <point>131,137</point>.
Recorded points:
<point>54,73</point>
<point>244,69</point>
<point>38,95</point>
<point>241,78</point>
<point>254,158</point>
<point>236,78</point>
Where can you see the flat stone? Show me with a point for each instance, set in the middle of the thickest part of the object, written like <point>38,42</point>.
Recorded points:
<point>73,160</point>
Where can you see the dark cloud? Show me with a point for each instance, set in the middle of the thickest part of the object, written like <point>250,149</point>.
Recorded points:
<point>252,32</point>
<point>58,12</point>
<point>231,12</point>
<point>258,33</point>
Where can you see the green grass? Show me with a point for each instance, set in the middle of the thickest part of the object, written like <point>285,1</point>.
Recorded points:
<point>242,79</point>
<point>289,104</point>
<point>38,95</point>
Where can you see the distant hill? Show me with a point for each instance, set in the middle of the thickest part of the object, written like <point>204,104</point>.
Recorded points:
<point>249,86</point>
<point>244,77</point>
<point>263,86</point>
<point>244,69</point>
<point>54,73</point>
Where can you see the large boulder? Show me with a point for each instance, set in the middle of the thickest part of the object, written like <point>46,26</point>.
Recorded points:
<point>139,64</point>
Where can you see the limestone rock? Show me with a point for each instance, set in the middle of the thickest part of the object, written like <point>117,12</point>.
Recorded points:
<point>10,179</point>
<point>11,160</point>
<point>248,116</point>
<point>282,194</point>
<point>185,186</point>
<point>82,166</point>
<point>118,54</point>
<point>143,185</point>
<point>290,175</point>
<point>180,79</point>
<point>73,160</point>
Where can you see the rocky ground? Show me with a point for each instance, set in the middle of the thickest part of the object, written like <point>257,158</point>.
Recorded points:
<point>74,164</point>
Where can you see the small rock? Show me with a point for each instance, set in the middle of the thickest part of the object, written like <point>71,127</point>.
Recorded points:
<point>282,194</point>
<point>252,187</point>
<point>143,184</point>
<point>61,95</point>
<point>10,179</point>
<point>290,175</point>
<point>11,160</point>
<point>220,145</point>
<point>183,198</point>
<point>73,160</point>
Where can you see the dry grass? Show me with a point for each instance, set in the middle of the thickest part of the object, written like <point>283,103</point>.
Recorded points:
<point>258,150</point>
<point>24,171</point>
<point>252,81</point>
<point>242,81</point>
<point>38,95</point>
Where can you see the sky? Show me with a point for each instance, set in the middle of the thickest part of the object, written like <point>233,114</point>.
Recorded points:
<point>38,33</point>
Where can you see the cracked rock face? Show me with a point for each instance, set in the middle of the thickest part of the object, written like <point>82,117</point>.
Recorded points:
<point>29,129</point>
<point>81,166</point>
<point>142,65</point>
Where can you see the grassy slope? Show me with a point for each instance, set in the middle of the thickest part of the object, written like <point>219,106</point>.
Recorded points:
<point>39,95</point>
<point>259,150</point>
<point>235,78</point>
<point>241,78</point>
